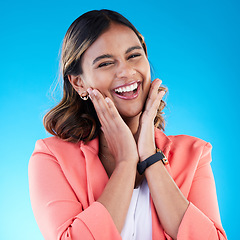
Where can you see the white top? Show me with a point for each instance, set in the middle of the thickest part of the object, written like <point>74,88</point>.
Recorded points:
<point>138,223</point>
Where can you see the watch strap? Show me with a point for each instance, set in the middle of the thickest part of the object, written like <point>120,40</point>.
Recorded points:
<point>141,166</point>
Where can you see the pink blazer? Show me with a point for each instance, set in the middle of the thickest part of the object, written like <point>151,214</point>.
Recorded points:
<point>66,179</point>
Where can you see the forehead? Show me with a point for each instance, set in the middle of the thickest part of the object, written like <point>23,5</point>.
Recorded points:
<point>116,40</point>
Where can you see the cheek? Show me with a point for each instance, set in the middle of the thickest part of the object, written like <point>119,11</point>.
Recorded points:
<point>145,66</point>
<point>93,78</point>
<point>146,72</point>
<point>98,80</point>
<point>147,78</point>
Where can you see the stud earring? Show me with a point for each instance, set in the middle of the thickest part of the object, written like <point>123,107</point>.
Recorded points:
<point>84,95</point>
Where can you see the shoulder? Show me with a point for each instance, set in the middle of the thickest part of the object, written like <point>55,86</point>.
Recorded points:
<point>188,141</point>
<point>54,150</point>
<point>62,149</point>
<point>189,144</point>
<point>183,148</point>
<point>179,141</point>
<point>53,145</point>
<point>190,150</point>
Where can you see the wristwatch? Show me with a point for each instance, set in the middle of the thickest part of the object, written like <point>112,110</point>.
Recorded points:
<point>159,155</point>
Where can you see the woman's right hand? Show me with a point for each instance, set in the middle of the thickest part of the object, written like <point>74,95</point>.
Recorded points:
<point>119,137</point>
<point>117,193</point>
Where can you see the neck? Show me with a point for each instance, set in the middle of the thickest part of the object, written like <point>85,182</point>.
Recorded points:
<point>133,123</point>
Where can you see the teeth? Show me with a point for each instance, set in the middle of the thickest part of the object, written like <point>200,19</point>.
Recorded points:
<point>129,88</point>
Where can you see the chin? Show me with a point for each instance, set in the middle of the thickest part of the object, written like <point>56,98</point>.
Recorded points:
<point>130,113</point>
<point>131,110</point>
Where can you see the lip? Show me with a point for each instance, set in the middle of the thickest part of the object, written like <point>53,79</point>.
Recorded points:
<point>135,95</point>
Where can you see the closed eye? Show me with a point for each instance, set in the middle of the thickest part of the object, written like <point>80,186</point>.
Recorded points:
<point>134,55</point>
<point>104,64</point>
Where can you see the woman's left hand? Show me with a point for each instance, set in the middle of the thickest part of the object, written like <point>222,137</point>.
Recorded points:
<point>146,139</point>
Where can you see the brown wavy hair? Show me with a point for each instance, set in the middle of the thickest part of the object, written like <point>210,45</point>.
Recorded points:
<point>73,119</point>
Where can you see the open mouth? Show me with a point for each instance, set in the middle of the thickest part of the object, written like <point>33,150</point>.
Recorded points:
<point>129,91</point>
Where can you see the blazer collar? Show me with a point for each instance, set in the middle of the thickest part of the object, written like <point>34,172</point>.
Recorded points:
<point>162,141</point>
<point>96,175</point>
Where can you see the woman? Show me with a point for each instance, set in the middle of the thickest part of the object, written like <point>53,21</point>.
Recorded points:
<point>102,176</point>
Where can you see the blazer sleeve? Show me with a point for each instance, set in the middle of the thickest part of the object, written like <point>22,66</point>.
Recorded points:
<point>57,210</point>
<point>201,219</point>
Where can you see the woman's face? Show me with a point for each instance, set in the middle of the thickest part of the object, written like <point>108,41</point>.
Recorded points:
<point>117,66</point>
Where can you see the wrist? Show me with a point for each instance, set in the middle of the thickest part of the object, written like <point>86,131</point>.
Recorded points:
<point>158,156</point>
<point>147,154</point>
<point>128,165</point>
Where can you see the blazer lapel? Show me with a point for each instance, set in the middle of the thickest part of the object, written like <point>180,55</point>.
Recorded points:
<point>95,172</point>
<point>164,143</point>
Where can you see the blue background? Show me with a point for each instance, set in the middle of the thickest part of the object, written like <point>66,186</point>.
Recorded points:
<point>193,47</point>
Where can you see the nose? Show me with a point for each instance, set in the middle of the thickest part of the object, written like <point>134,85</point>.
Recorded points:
<point>125,70</point>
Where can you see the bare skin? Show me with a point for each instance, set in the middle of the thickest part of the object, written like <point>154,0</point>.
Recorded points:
<point>127,130</point>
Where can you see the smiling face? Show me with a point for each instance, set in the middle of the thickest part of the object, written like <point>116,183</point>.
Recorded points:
<point>117,66</point>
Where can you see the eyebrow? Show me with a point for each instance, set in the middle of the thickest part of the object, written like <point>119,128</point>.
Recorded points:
<point>101,57</point>
<point>133,48</point>
<point>110,56</point>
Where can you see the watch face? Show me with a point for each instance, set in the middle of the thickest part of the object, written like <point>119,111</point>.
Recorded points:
<point>164,159</point>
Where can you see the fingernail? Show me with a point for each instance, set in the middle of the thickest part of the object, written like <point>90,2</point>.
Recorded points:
<point>94,92</point>
<point>163,93</point>
<point>89,90</point>
<point>107,100</point>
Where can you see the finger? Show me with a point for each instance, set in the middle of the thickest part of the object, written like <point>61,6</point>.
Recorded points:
<point>116,121</point>
<point>100,105</point>
<point>153,92</point>
<point>157,100</point>
<point>154,98</point>
<point>106,111</point>
<point>112,109</point>
<point>151,112</point>
<point>154,88</point>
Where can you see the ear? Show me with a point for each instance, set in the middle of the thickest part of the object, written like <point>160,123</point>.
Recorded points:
<point>77,83</point>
